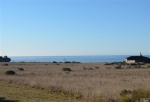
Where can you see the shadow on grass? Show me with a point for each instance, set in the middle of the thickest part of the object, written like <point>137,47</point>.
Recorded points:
<point>2,99</point>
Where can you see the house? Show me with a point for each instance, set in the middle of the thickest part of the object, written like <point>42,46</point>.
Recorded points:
<point>4,59</point>
<point>136,59</point>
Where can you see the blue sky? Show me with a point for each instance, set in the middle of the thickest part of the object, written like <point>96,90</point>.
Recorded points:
<point>74,27</point>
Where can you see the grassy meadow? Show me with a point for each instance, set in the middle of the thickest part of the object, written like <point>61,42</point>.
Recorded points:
<point>95,82</point>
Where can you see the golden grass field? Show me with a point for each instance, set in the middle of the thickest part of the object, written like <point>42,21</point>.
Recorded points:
<point>90,81</point>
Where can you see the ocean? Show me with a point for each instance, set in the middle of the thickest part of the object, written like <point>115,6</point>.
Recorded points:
<point>83,59</point>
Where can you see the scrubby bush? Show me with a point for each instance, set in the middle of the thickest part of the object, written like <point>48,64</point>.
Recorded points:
<point>96,67</point>
<point>54,62</point>
<point>66,69</point>
<point>21,69</point>
<point>67,62</point>
<point>5,64</point>
<point>125,92</point>
<point>134,96</point>
<point>108,63</point>
<point>87,68</point>
<point>138,66</point>
<point>118,67</point>
<point>10,72</point>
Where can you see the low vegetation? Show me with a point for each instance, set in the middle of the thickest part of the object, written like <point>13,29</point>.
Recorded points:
<point>66,69</point>
<point>21,69</point>
<point>10,72</point>
<point>94,82</point>
<point>10,92</point>
<point>135,95</point>
<point>5,64</point>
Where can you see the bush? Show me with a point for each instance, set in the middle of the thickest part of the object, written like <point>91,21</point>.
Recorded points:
<point>10,72</point>
<point>118,67</point>
<point>21,69</point>
<point>125,92</point>
<point>66,69</point>
<point>87,68</point>
<point>96,67</point>
<point>107,63</point>
<point>134,96</point>
<point>5,64</point>
<point>67,62</point>
<point>54,62</point>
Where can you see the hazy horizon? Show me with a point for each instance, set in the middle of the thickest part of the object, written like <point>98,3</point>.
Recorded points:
<point>74,27</point>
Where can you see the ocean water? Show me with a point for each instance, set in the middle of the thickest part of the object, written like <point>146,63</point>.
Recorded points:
<point>101,58</point>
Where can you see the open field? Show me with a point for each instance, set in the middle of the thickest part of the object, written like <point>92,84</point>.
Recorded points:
<point>90,81</point>
<point>10,92</point>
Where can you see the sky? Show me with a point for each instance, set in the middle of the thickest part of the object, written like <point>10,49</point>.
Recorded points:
<point>74,27</point>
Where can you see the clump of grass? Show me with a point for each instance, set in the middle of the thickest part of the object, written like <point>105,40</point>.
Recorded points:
<point>54,62</point>
<point>10,72</point>
<point>21,69</point>
<point>134,96</point>
<point>5,64</point>
<point>87,68</point>
<point>96,67</point>
<point>107,63</point>
<point>67,62</point>
<point>118,67</point>
<point>125,92</point>
<point>138,66</point>
<point>67,69</point>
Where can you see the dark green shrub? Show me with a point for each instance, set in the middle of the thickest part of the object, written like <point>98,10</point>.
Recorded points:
<point>66,69</point>
<point>54,62</point>
<point>10,72</point>
<point>67,62</point>
<point>21,69</point>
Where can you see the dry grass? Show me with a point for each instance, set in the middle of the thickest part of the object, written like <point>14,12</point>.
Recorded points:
<point>92,81</point>
<point>10,92</point>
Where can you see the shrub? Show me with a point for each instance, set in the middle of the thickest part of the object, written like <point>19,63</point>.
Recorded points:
<point>125,92</point>
<point>138,66</point>
<point>96,67</point>
<point>66,69</point>
<point>21,69</point>
<point>10,72</point>
<point>108,64</point>
<point>54,62</point>
<point>67,62</point>
<point>134,96</point>
<point>140,93</point>
<point>87,68</point>
<point>118,67</point>
<point>5,64</point>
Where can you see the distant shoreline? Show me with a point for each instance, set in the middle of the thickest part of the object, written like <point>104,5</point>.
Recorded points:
<point>82,59</point>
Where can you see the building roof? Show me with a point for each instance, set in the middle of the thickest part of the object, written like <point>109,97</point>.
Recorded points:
<point>139,58</point>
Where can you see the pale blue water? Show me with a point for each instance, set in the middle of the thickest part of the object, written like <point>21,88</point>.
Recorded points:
<point>101,58</point>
